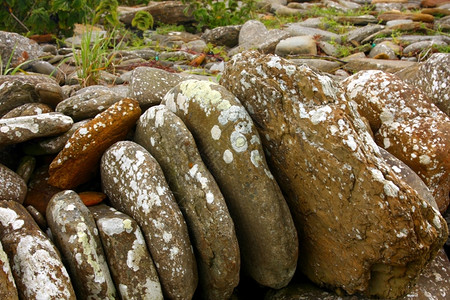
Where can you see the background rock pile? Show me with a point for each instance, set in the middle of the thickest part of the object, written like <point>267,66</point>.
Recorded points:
<point>267,176</point>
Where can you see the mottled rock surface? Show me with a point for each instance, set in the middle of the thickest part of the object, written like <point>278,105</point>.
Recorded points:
<point>12,186</point>
<point>135,185</point>
<point>361,228</point>
<point>35,262</point>
<point>76,236</point>
<point>166,137</point>
<point>28,109</point>
<point>129,261</point>
<point>7,284</point>
<point>407,125</point>
<point>17,48</point>
<point>79,159</point>
<point>230,144</point>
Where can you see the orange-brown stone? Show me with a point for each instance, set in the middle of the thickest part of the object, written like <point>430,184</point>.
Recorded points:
<point>79,160</point>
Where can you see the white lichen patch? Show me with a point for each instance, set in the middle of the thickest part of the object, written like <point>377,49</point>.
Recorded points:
<point>227,156</point>
<point>209,197</point>
<point>9,217</point>
<point>5,263</point>
<point>216,132</point>
<point>202,92</point>
<point>111,226</point>
<point>424,159</point>
<point>255,158</point>
<point>319,115</point>
<point>238,142</point>
<point>137,252</point>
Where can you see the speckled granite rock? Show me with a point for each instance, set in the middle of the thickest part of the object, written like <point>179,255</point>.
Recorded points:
<point>165,136</point>
<point>35,262</point>
<point>129,261</point>
<point>12,186</point>
<point>229,142</point>
<point>8,288</point>
<point>407,125</point>
<point>76,236</point>
<point>135,185</point>
<point>21,129</point>
<point>361,228</point>
<point>79,159</point>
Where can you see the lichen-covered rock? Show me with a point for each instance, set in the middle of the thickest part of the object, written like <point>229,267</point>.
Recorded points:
<point>407,125</point>
<point>35,262</point>
<point>12,186</point>
<point>28,109</point>
<point>167,139</point>
<point>79,160</point>
<point>223,36</point>
<point>8,288</point>
<point>230,144</point>
<point>431,77</point>
<point>129,261</point>
<point>17,49</point>
<point>76,236</point>
<point>87,103</point>
<point>149,85</point>
<point>361,228</point>
<point>135,185</point>
<point>21,129</point>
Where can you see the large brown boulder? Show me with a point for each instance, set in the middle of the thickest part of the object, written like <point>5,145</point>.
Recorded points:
<point>361,228</point>
<point>407,125</point>
<point>135,185</point>
<point>230,145</point>
<point>211,228</point>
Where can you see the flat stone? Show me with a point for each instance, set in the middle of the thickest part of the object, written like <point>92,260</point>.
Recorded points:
<point>223,36</point>
<point>165,136</point>
<point>17,48</point>
<point>26,167</point>
<point>12,186</point>
<point>149,85</point>
<point>130,264</point>
<point>297,45</point>
<point>76,236</point>
<point>8,288</point>
<point>398,22</point>
<point>312,135</point>
<point>357,20</point>
<point>385,65</point>
<point>420,46</point>
<point>319,64</point>
<point>322,35</point>
<point>35,262</point>
<point>229,142</point>
<point>135,185</point>
<point>328,49</point>
<point>284,11</point>
<point>389,49</point>
<point>78,162</point>
<point>166,12</point>
<point>318,22</point>
<point>21,129</point>
<point>361,33</point>
<point>28,109</point>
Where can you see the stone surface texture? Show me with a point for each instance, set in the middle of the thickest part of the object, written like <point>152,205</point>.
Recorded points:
<point>35,262</point>
<point>166,137</point>
<point>12,186</point>
<point>230,145</point>
<point>135,185</point>
<point>8,288</point>
<point>76,236</point>
<point>361,228</point>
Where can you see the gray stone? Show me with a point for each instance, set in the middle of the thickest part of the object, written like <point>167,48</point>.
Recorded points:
<point>8,288</point>
<point>386,65</point>
<point>135,185</point>
<point>12,186</point>
<point>357,20</point>
<point>409,39</point>
<point>35,262</point>
<point>196,46</point>
<point>318,22</point>
<point>21,129</point>
<point>43,67</point>
<point>361,33</point>
<point>319,64</point>
<point>50,93</point>
<point>149,85</point>
<point>129,261</point>
<point>349,4</point>
<point>420,46</point>
<point>340,190</point>
<point>28,109</point>
<point>398,22</point>
<point>297,45</point>
<point>212,233</point>
<point>328,49</point>
<point>223,36</point>
<point>229,142</point>
<point>252,31</point>
<point>322,35</point>
<point>388,49</point>
<point>76,236</point>
<point>88,102</point>
<point>284,11</point>
<point>18,49</point>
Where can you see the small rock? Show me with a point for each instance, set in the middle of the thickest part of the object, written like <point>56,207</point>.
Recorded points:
<point>385,65</point>
<point>284,11</point>
<point>357,20</point>
<point>361,33</point>
<point>328,49</point>
<point>26,167</point>
<point>319,34</point>
<point>75,233</point>
<point>18,49</point>
<point>223,36</point>
<point>297,45</point>
<point>196,46</point>
<point>417,17</point>
<point>420,46</point>
<point>37,217</point>
<point>12,186</point>
<point>388,48</point>
<point>319,64</point>
<point>79,160</point>
<point>28,109</point>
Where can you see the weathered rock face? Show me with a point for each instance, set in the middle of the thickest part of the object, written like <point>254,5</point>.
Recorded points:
<point>28,109</point>
<point>76,235</point>
<point>79,159</point>
<point>360,227</point>
<point>35,262</point>
<point>135,185</point>
<point>431,77</point>
<point>165,136</point>
<point>7,284</point>
<point>407,125</point>
<point>167,12</point>
<point>230,144</point>
<point>129,261</point>
<point>223,36</point>
<point>149,85</point>
<point>17,48</point>
<point>12,186</point>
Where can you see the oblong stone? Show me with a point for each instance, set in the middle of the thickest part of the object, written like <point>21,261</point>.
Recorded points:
<point>12,186</point>
<point>8,288</point>
<point>129,261</point>
<point>76,236</point>
<point>135,185</point>
<point>79,160</point>
<point>226,136</point>
<point>35,262</point>
<point>20,129</point>
<point>167,139</point>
